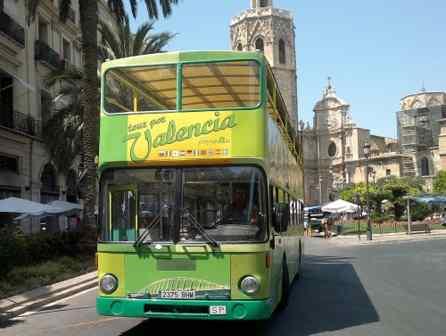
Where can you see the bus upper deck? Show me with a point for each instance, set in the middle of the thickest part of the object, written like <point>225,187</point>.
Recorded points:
<point>225,94</point>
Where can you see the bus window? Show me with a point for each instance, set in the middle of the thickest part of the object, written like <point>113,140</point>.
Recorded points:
<point>123,215</point>
<point>151,198</point>
<point>228,202</point>
<point>221,85</point>
<point>140,89</point>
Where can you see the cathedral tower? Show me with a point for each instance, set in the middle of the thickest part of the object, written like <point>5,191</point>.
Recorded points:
<point>270,30</point>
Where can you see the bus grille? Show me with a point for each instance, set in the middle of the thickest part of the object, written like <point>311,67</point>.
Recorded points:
<point>183,284</point>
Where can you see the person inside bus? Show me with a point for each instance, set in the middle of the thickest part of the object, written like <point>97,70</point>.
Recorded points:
<point>237,211</point>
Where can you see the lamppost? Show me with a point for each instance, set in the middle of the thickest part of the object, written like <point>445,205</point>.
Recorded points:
<point>366,154</point>
<point>320,190</point>
<point>359,213</point>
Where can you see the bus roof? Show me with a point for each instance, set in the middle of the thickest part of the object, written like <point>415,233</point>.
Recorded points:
<point>184,57</point>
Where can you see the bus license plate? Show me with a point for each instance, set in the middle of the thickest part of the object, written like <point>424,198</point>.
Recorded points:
<point>177,295</point>
<point>217,310</point>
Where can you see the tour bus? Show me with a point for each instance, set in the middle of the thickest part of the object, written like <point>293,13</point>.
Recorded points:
<point>200,179</point>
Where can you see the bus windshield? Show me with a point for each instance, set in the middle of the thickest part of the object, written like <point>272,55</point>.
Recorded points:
<point>216,85</point>
<point>228,203</point>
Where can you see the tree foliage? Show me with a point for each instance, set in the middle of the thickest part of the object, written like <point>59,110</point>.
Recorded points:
<point>392,189</point>
<point>440,182</point>
<point>125,43</point>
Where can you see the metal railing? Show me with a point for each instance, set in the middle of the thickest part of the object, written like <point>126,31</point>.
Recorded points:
<point>47,55</point>
<point>12,29</point>
<point>23,123</point>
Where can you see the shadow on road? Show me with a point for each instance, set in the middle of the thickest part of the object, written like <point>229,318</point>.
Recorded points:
<point>329,296</point>
<point>6,323</point>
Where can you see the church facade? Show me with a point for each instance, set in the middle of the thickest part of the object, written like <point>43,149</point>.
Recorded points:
<point>333,145</point>
<point>334,151</point>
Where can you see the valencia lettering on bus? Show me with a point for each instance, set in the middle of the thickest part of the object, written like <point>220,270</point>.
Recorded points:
<point>172,134</point>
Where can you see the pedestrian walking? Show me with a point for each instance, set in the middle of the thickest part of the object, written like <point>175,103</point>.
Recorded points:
<point>325,224</point>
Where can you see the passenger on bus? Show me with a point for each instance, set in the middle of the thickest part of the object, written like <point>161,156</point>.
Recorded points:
<point>237,211</point>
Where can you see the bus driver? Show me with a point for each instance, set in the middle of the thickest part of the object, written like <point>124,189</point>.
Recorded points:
<point>237,211</point>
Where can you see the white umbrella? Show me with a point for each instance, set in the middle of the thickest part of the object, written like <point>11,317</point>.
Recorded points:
<point>22,206</point>
<point>66,208</point>
<point>340,206</point>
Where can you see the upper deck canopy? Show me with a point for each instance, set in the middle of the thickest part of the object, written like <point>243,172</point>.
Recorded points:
<point>204,80</point>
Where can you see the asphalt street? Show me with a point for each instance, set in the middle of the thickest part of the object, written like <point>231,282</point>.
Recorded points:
<point>379,289</point>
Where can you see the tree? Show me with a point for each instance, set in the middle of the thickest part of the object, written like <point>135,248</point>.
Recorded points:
<point>392,189</point>
<point>440,182</point>
<point>62,131</point>
<point>126,43</point>
<point>398,187</point>
<point>152,6</point>
<point>90,98</point>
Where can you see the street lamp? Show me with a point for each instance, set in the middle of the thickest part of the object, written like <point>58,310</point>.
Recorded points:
<point>367,154</point>
<point>359,214</point>
<point>320,189</point>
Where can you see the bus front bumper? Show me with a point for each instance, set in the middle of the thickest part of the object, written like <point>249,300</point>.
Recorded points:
<point>185,309</point>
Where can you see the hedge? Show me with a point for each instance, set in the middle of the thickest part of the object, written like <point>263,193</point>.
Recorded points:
<point>17,249</point>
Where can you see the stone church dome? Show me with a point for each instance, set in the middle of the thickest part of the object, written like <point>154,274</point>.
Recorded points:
<point>329,100</point>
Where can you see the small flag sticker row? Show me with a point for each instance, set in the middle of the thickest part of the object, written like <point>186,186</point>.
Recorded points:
<point>194,153</point>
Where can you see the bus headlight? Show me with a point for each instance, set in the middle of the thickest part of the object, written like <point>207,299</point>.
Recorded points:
<point>249,284</point>
<point>108,283</point>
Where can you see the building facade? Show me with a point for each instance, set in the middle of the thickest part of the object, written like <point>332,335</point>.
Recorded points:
<point>421,133</point>
<point>334,151</point>
<point>28,53</point>
<point>270,30</point>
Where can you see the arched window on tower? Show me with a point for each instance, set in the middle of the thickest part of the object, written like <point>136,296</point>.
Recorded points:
<point>424,167</point>
<point>282,52</point>
<point>263,3</point>
<point>260,45</point>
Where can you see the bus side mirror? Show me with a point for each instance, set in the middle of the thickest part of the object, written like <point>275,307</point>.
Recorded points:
<point>281,217</point>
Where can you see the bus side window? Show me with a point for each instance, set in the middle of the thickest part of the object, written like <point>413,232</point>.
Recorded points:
<point>297,205</point>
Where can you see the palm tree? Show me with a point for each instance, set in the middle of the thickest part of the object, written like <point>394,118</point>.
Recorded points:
<point>62,130</point>
<point>90,98</point>
<point>153,6</point>
<point>124,43</point>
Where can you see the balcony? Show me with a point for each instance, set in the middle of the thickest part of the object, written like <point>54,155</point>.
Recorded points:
<point>21,122</point>
<point>45,54</point>
<point>12,29</point>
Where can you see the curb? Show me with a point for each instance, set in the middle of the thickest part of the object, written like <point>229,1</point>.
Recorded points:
<point>19,304</point>
<point>391,237</point>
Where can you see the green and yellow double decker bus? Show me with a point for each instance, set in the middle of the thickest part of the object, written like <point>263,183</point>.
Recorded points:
<point>201,181</point>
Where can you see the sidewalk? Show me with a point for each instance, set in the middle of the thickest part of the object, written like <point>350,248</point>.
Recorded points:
<point>388,237</point>
<point>18,304</point>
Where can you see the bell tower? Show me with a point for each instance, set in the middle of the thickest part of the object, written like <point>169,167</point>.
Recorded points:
<point>271,31</point>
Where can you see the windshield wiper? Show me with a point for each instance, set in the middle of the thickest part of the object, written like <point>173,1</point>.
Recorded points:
<point>187,215</point>
<point>140,240</point>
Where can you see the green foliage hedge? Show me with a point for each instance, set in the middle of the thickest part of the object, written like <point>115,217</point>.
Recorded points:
<point>17,249</point>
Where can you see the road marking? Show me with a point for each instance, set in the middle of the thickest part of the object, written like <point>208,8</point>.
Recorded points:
<point>31,312</point>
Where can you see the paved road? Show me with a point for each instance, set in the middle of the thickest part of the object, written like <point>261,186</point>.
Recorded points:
<point>381,289</point>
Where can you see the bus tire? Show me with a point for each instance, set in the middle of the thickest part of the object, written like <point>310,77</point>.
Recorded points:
<point>285,287</point>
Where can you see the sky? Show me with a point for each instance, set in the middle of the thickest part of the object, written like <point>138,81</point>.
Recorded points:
<point>376,52</point>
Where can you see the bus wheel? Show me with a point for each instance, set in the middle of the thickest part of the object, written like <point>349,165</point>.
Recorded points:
<point>285,287</point>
